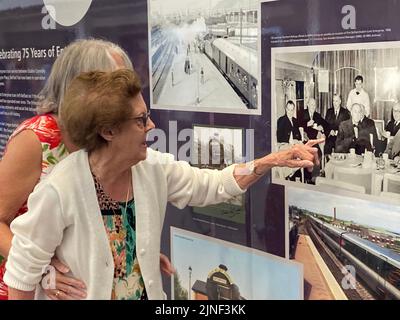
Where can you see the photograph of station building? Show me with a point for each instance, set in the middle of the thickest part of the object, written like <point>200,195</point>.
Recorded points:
<point>204,55</point>
<point>211,269</point>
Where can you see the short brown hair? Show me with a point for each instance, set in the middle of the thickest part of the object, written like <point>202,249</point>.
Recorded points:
<point>95,101</point>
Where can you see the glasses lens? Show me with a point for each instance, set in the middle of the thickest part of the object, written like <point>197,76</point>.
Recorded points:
<point>145,118</point>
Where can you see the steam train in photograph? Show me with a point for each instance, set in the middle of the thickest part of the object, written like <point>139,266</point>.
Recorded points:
<point>378,267</point>
<point>238,65</point>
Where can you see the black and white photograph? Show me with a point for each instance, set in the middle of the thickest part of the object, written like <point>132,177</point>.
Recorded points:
<point>217,148</point>
<point>347,94</point>
<point>204,55</point>
<point>350,248</point>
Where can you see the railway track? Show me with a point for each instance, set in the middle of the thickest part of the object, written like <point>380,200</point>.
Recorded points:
<point>336,266</point>
<point>161,69</point>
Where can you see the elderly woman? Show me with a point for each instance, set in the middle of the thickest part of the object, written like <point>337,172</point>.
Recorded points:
<point>101,210</point>
<point>38,144</point>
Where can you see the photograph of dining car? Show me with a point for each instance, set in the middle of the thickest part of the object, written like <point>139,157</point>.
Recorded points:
<point>348,94</point>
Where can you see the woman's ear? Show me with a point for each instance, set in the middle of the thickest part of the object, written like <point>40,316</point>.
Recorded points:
<point>107,134</point>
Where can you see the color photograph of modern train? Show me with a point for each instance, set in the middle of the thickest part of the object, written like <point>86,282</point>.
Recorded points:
<point>353,245</point>
<point>204,55</point>
<point>377,266</point>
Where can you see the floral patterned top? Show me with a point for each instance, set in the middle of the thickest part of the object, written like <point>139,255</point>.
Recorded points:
<point>119,221</point>
<point>53,151</point>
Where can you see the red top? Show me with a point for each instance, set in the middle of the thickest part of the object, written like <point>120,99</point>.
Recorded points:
<point>53,150</point>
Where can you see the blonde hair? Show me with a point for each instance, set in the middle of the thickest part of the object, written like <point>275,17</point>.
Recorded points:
<point>80,56</point>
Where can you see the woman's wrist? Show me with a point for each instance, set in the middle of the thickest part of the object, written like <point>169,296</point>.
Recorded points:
<point>262,165</point>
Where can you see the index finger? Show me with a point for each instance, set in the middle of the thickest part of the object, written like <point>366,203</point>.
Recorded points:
<point>311,143</point>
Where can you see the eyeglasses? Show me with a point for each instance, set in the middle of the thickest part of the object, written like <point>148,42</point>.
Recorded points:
<point>143,118</point>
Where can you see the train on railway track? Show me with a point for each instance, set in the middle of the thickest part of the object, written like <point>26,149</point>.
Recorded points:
<point>238,64</point>
<point>378,267</point>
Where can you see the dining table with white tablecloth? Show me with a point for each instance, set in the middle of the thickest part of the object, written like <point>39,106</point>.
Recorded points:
<point>359,165</point>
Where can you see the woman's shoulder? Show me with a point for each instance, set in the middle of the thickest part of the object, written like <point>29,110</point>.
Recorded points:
<point>71,169</point>
<point>45,127</point>
<point>157,157</point>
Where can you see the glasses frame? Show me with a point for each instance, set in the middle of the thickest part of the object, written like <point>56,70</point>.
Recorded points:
<point>144,118</point>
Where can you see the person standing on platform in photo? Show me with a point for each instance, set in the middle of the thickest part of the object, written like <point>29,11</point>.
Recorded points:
<point>359,95</point>
<point>39,143</point>
<point>109,198</point>
<point>187,65</point>
<point>288,127</point>
<point>352,134</point>
<point>202,75</point>
<point>334,117</point>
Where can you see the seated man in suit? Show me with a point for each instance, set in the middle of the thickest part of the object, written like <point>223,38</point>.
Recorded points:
<point>334,117</point>
<point>391,129</point>
<point>393,148</point>
<point>312,121</point>
<point>288,131</point>
<point>355,132</point>
<point>288,126</point>
<point>393,125</point>
<point>367,125</point>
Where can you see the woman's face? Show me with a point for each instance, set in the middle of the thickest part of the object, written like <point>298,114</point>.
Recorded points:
<point>131,138</point>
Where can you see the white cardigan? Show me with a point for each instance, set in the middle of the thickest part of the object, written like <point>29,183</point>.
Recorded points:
<point>64,218</point>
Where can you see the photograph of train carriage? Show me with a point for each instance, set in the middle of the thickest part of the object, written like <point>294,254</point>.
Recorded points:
<point>211,269</point>
<point>349,95</point>
<point>203,55</point>
<point>333,235</point>
<point>217,148</point>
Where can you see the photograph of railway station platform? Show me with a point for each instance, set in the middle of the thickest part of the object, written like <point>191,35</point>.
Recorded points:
<point>204,55</point>
<point>350,248</point>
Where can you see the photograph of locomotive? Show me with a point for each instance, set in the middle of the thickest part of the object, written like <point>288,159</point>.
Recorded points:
<point>204,55</point>
<point>351,234</point>
<point>217,148</point>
